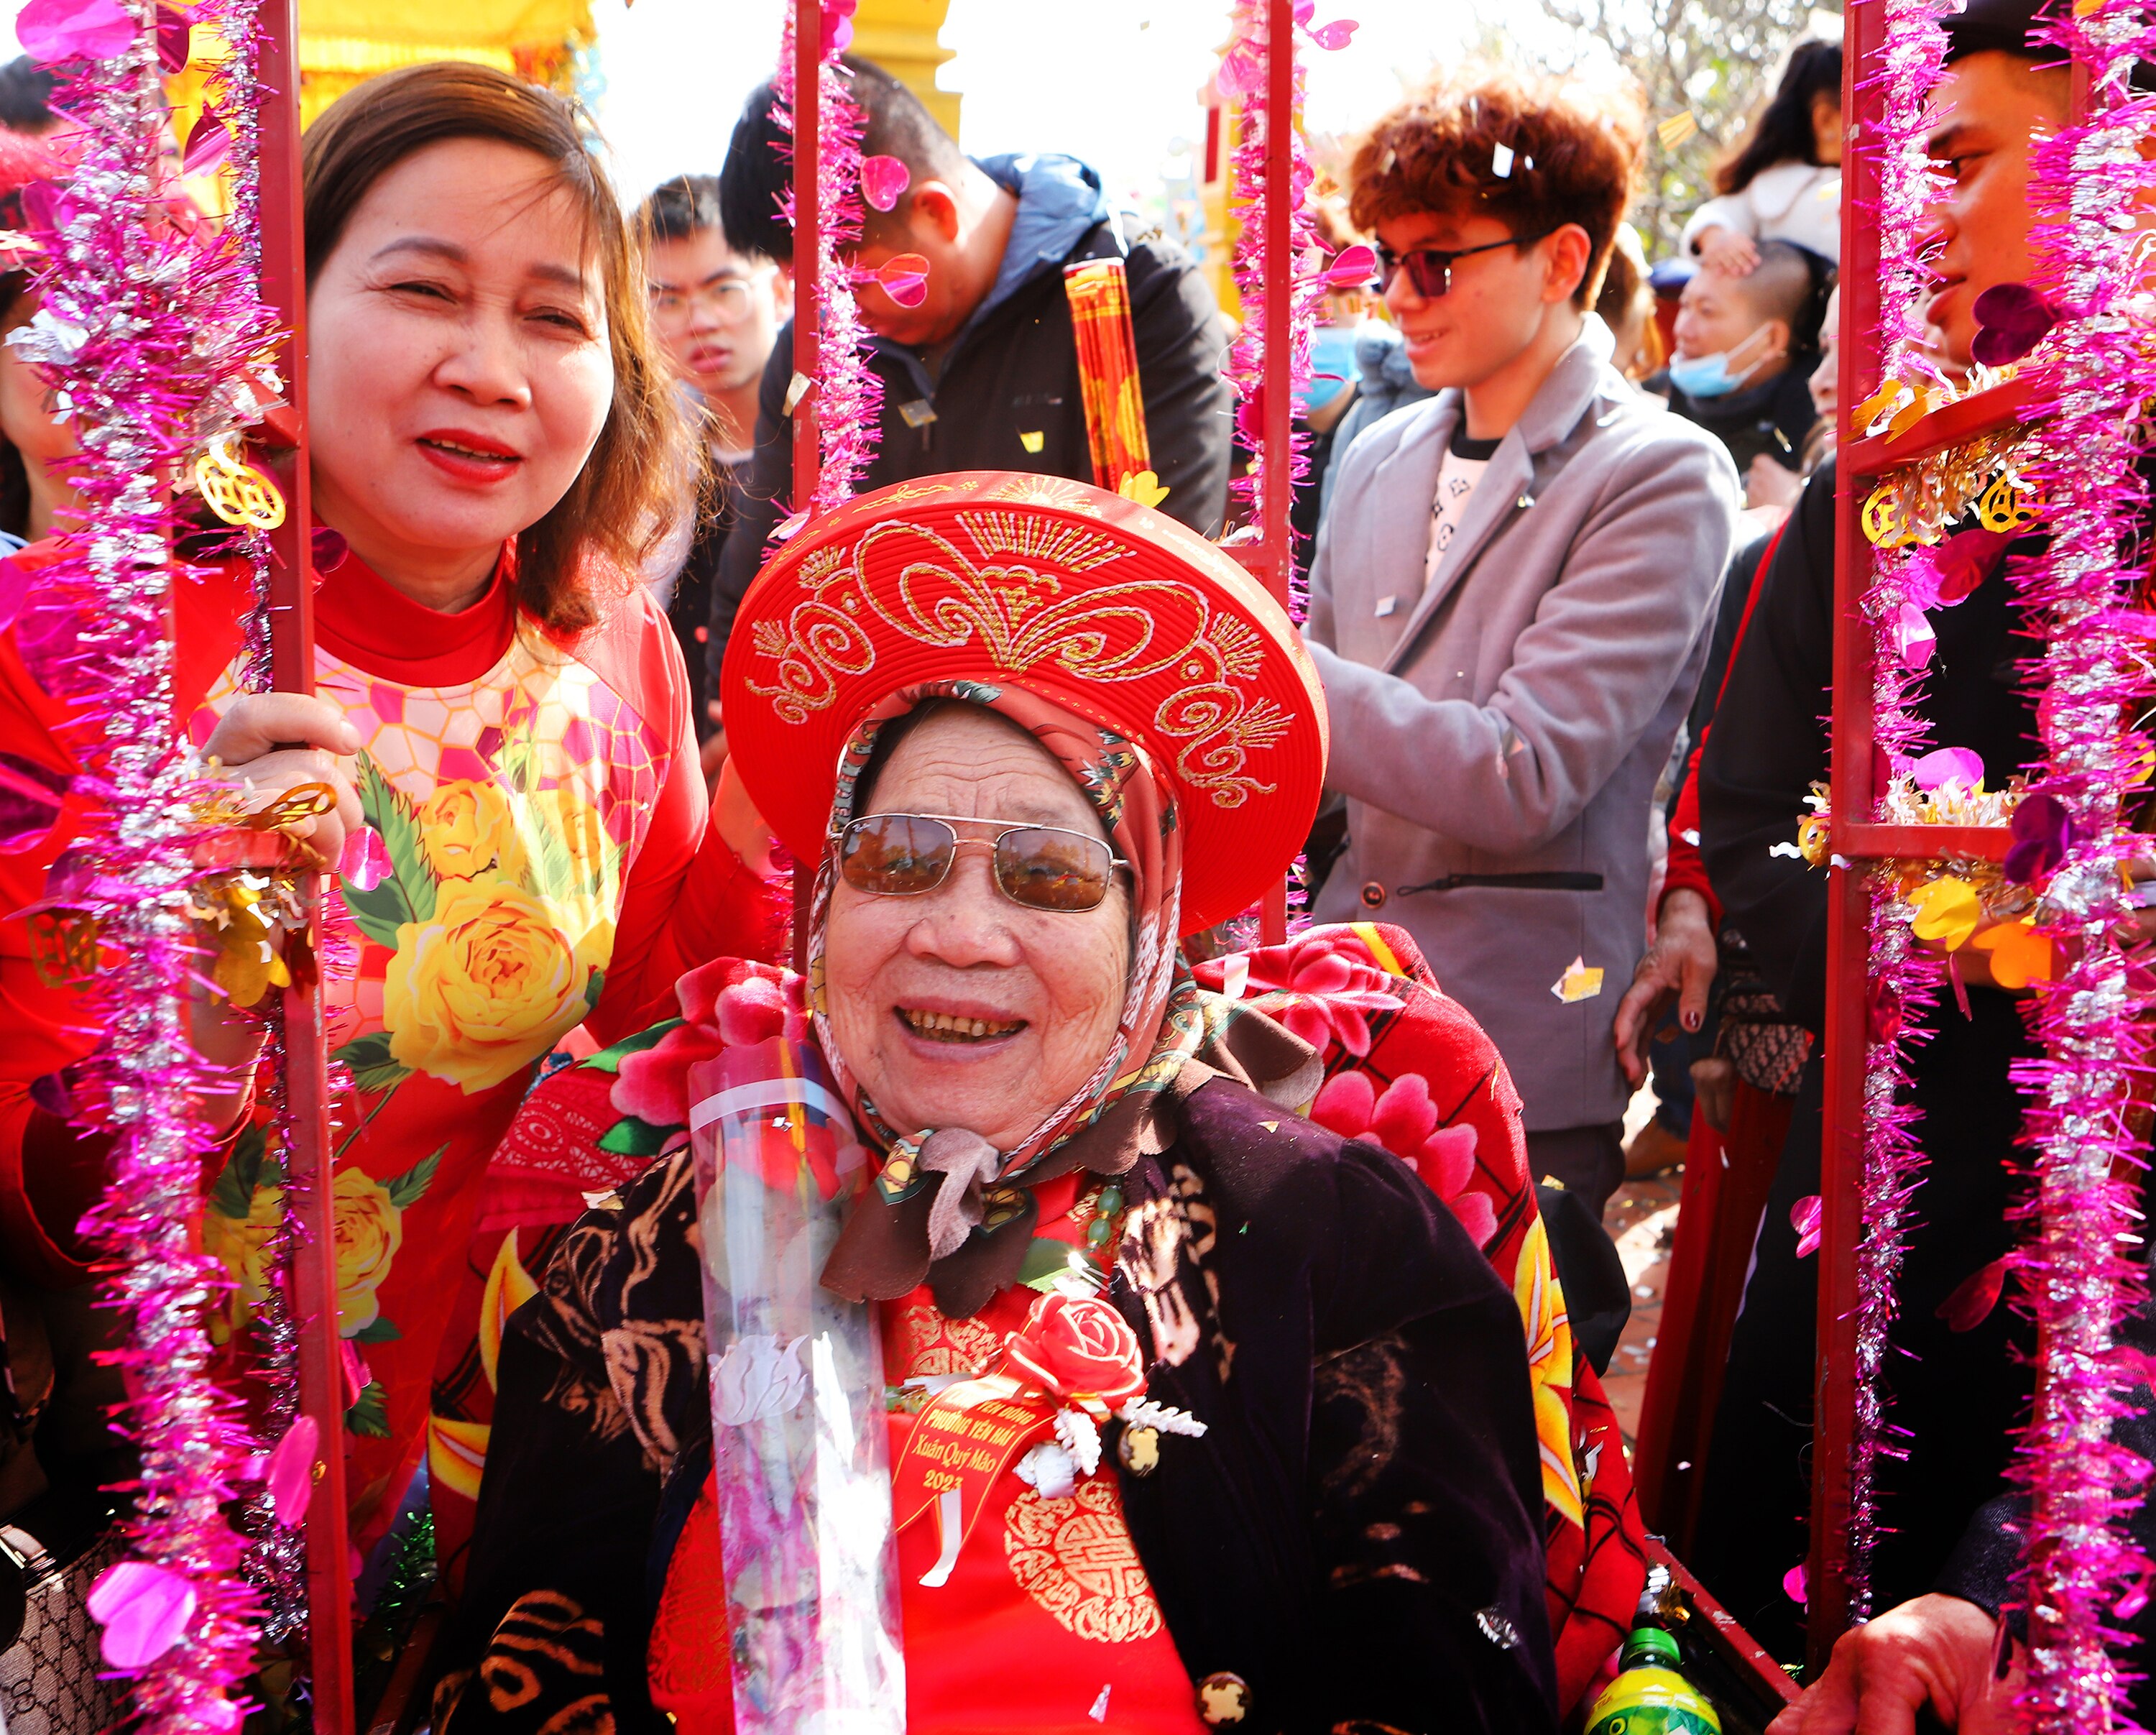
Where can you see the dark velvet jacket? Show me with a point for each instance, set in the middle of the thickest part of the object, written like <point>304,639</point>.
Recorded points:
<point>1358,1536</point>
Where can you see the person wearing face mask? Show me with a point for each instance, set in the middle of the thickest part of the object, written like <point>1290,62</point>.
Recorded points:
<point>1746,347</point>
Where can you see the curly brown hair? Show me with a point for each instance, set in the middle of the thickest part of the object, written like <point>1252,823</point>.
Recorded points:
<point>588,549</point>
<point>1575,157</point>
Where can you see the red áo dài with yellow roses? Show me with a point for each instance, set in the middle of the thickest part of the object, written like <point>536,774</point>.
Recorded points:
<point>539,807</point>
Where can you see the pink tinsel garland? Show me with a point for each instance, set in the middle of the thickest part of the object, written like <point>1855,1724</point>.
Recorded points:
<point>1245,77</point>
<point>2086,186</point>
<point>148,324</point>
<point>848,395</point>
<point>1903,979</point>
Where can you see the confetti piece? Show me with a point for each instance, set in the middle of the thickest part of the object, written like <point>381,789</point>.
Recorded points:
<point>1674,130</point>
<point>1099,1713</point>
<point>1143,486</point>
<point>904,279</point>
<point>1386,605</point>
<point>1501,162</point>
<point>1793,1584</point>
<point>1946,910</point>
<point>1578,983</point>
<point>883,178</point>
<point>919,413</point>
<point>1033,442</point>
<point>1806,1216</point>
<point>797,388</point>
<point>1975,1298</point>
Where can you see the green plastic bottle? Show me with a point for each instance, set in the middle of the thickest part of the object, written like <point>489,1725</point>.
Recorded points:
<point>1651,1697</point>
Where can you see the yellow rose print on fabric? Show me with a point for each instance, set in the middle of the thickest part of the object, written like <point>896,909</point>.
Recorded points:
<point>485,988</point>
<point>248,1201</point>
<point>496,921</point>
<point>466,828</point>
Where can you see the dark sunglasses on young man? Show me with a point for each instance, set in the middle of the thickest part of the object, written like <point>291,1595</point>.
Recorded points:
<point>1042,867</point>
<point>1429,269</point>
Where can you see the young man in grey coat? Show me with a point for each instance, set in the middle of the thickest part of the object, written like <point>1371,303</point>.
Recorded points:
<point>1510,598</point>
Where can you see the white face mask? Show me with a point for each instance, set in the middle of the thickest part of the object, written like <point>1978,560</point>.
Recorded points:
<point>1717,376</point>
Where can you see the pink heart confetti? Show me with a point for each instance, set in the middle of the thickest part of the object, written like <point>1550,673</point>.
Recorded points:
<point>2135,1599</point>
<point>1353,266</point>
<point>1793,1584</point>
<point>291,1479</point>
<point>883,178</point>
<point>1948,766</point>
<point>1338,34</point>
<point>1242,72</point>
<point>1975,1298</point>
<point>145,1611</point>
<point>1806,1216</point>
<point>14,587</point>
<point>207,145</point>
<point>364,863</point>
<point>357,1379</point>
<point>174,38</point>
<point>1914,640</point>
<point>905,278</point>
<point>57,30</point>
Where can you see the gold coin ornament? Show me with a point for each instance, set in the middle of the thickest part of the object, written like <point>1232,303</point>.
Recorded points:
<point>1883,528</point>
<point>2005,507</point>
<point>235,491</point>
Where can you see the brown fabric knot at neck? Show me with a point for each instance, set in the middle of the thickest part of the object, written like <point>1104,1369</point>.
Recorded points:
<point>967,1163</point>
<point>885,1249</point>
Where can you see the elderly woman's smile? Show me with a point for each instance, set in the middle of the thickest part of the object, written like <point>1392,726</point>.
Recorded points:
<point>960,1006</point>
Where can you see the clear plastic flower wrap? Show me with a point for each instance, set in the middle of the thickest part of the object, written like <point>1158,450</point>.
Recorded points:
<point>800,1445</point>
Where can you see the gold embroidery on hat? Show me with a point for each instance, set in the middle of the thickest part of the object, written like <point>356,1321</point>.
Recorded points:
<point>1043,539</point>
<point>1076,1559</point>
<point>941,597</point>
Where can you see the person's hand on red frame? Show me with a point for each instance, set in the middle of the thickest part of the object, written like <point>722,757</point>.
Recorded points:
<point>1936,1651</point>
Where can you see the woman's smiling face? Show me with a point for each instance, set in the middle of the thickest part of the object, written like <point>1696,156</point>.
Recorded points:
<point>458,358</point>
<point>959,1006</point>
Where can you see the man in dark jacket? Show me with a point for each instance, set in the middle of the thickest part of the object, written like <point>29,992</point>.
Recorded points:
<point>982,374</point>
<point>1955,1386</point>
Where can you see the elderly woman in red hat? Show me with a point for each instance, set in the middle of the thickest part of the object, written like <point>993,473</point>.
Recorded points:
<point>1034,735</point>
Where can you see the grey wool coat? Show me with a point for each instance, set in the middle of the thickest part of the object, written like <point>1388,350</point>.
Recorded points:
<point>1498,739</point>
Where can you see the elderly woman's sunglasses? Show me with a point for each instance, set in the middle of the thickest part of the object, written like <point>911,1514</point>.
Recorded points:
<point>1429,269</point>
<point>1043,867</point>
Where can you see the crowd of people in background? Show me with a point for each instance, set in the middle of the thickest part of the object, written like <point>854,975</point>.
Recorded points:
<point>1568,534</point>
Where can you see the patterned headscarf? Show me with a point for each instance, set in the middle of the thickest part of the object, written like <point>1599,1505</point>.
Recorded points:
<point>938,1184</point>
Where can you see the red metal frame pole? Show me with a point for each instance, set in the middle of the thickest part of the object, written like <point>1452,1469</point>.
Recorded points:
<point>1849,900</point>
<point>1277,477</point>
<point>807,243</point>
<point>292,671</point>
<point>808,325</point>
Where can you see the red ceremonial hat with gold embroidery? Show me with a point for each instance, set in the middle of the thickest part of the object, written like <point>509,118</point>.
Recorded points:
<point>1127,618</point>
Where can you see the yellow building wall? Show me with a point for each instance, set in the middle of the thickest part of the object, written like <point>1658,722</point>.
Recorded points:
<point>903,37</point>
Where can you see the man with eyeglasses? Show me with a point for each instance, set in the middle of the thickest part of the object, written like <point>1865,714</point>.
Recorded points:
<point>717,311</point>
<point>1510,597</point>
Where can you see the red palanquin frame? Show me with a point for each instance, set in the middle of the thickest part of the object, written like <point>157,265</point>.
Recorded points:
<point>1856,840</point>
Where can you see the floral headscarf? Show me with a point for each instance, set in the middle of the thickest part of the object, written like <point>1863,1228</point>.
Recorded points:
<point>938,1184</point>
